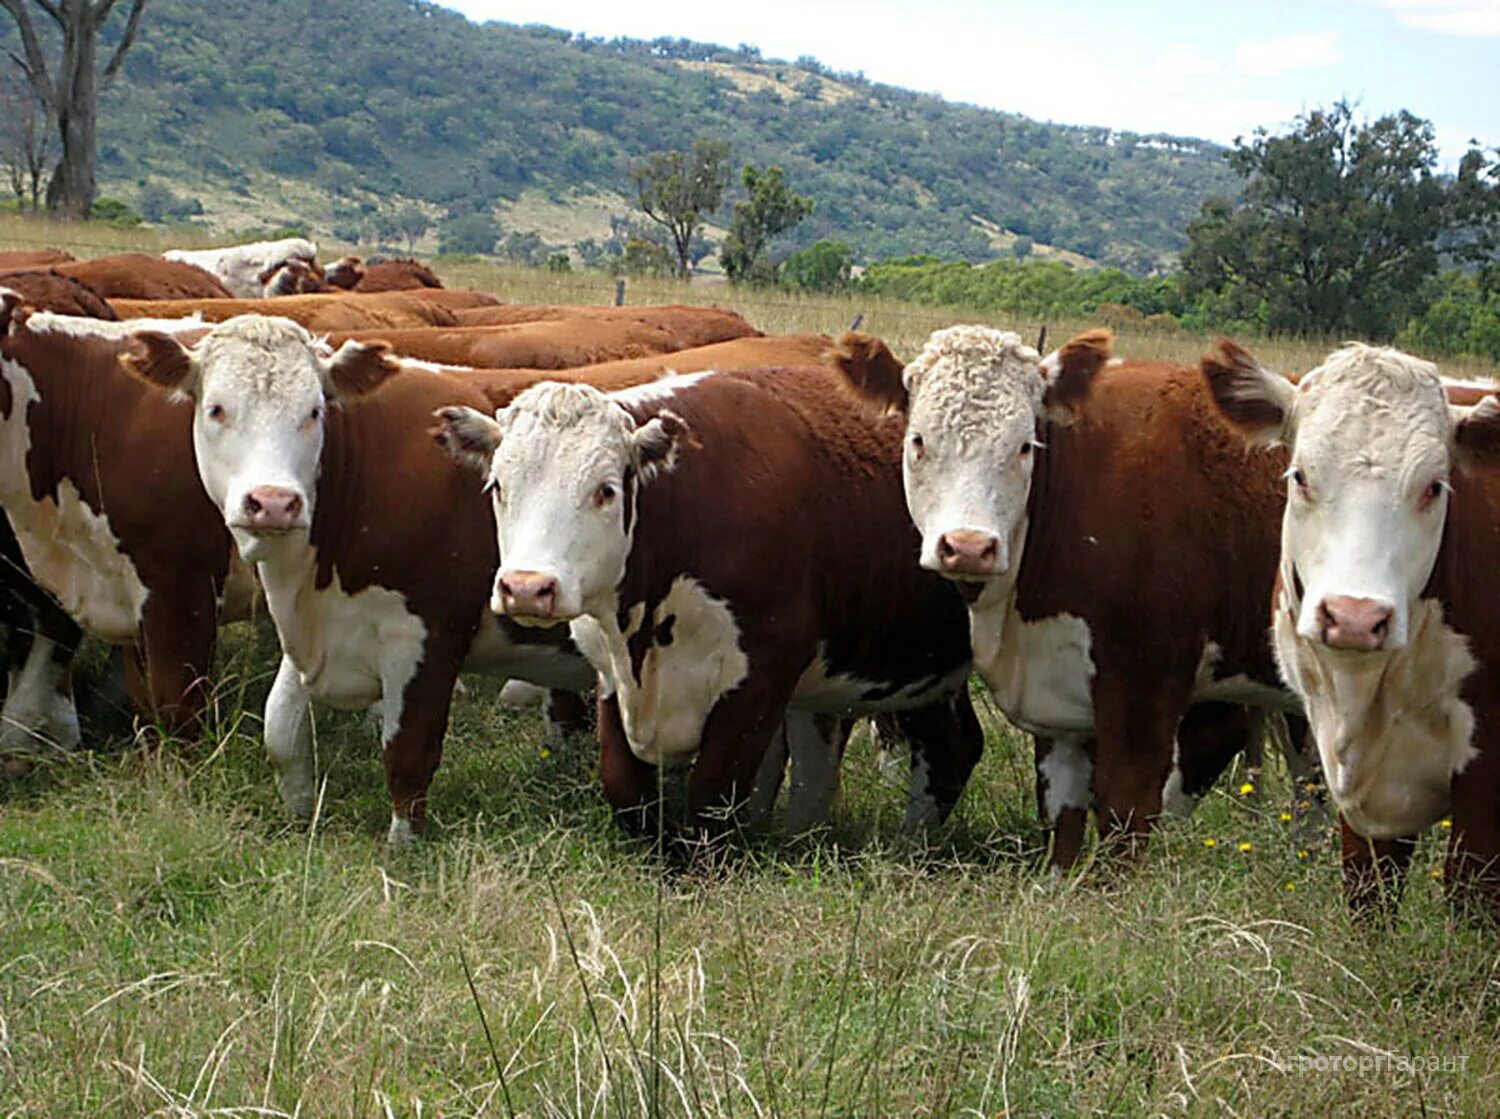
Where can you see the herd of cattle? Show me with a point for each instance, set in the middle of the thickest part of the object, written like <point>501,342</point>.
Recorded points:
<point>740,542</point>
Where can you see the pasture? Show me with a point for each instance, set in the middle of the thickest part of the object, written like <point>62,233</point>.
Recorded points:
<point>170,945</point>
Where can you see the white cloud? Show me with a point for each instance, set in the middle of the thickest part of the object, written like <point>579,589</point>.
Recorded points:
<point>1468,18</point>
<point>1302,51</point>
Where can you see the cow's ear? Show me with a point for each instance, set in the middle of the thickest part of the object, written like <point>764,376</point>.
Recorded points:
<point>358,368</point>
<point>1255,400</point>
<point>161,360</point>
<point>468,435</point>
<point>1476,432</point>
<point>656,443</point>
<point>1068,373</point>
<point>870,370</point>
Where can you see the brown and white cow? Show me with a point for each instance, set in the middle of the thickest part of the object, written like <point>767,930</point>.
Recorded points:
<point>243,269</point>
<point>1384,619</point>
<point>96,476</point>
<point>140,276</point>
<point>726,545</point>
<point>1116,544</point>
<point>376,550</point>
<point>323,311</point>
<point>292,277</point>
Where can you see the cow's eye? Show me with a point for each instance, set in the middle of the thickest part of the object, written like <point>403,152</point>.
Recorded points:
<point>1299,479</point>
<point>1433,491</point>
<point>216,413</point>
<point>316,414</point>
<point>1025,450</point>
<point>605,494</point>
<point>918,447</point>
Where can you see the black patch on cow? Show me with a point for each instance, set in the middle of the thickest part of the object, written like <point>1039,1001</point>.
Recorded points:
<point>663,636</point>
<point>969,591</point>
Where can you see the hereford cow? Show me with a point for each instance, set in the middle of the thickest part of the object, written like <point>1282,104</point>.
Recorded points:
<point>344,273</point>
<point>691,326</point>
<point>240,267</point>
<point>97,477</point>
<point>396,275</point>
<point>376,550</point>
<point>725,545</point>
<point>33,258</point>
<point>1082,510</point>
<point>138,276</point>
<point>62,295</point>
<point>1382,608</point>
<point>396,310</point>
<point>543,345</point>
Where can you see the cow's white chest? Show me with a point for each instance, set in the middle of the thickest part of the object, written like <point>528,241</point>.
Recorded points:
<point>1040,672</point>
<point>664,708</point>
<point>351,650</point>
<point>824,692</point>
<point>1391,731</point>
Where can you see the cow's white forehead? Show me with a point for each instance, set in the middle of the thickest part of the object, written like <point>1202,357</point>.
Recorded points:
<point>263,354</point>
<point>571,411</point>
<point>968,379</point>
<point>1375,408</point>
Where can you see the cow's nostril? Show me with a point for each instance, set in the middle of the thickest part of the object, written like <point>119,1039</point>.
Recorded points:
<point>945,549</point>
<point>252,506</point>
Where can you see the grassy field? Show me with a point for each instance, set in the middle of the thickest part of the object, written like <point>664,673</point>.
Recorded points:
<point>170,945</point>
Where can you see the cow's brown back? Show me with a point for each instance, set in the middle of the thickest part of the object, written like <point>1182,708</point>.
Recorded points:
<point>564,344</point>
<point>692,326</point>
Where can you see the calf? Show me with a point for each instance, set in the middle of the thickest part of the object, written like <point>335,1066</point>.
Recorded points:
<point>1115,544</point>
<point>376,550</point>
<point>726,545</point>
<point>1383,615</point>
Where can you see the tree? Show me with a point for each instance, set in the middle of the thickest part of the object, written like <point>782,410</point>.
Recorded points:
<point>471,233</point>
<point>1337,230</point>
<point>771,209</point>
<point>826,266</point>
<point>69,88</point>
<point>25,139</point>
<point>411,222</point>
<point>679,190</point>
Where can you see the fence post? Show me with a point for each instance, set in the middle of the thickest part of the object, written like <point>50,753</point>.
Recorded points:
<point>620,293</point>
<point>859,318</point>
<point>1041,340</point>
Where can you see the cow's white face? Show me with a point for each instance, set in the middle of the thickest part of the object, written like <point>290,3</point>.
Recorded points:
<point>261,389</point>
<point>976,397</point>
<point>1373,442</point>
<point>564,463</point>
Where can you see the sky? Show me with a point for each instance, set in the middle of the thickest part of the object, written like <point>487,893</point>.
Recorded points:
<point>1215,70</point>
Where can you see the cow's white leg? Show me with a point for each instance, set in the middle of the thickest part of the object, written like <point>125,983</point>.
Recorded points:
<point>768,780</point>
<point>39,713</point>
<point>815,760</point>
<point>1065,778</point>
<point>1176,801</point>
<point>288,722</point>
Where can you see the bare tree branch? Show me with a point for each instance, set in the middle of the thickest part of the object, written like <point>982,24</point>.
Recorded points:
<point>36,62</point>
<point>131,24</point>
<point>52,10</point>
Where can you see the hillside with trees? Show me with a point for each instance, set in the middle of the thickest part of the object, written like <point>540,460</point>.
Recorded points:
<point>350,114</point>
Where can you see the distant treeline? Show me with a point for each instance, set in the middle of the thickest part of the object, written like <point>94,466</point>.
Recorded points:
<point>1459,315</point>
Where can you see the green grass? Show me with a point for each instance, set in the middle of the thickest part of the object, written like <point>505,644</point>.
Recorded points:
<point>171,945</point>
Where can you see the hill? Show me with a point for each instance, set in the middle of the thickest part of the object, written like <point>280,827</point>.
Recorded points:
<point>330,112</point>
